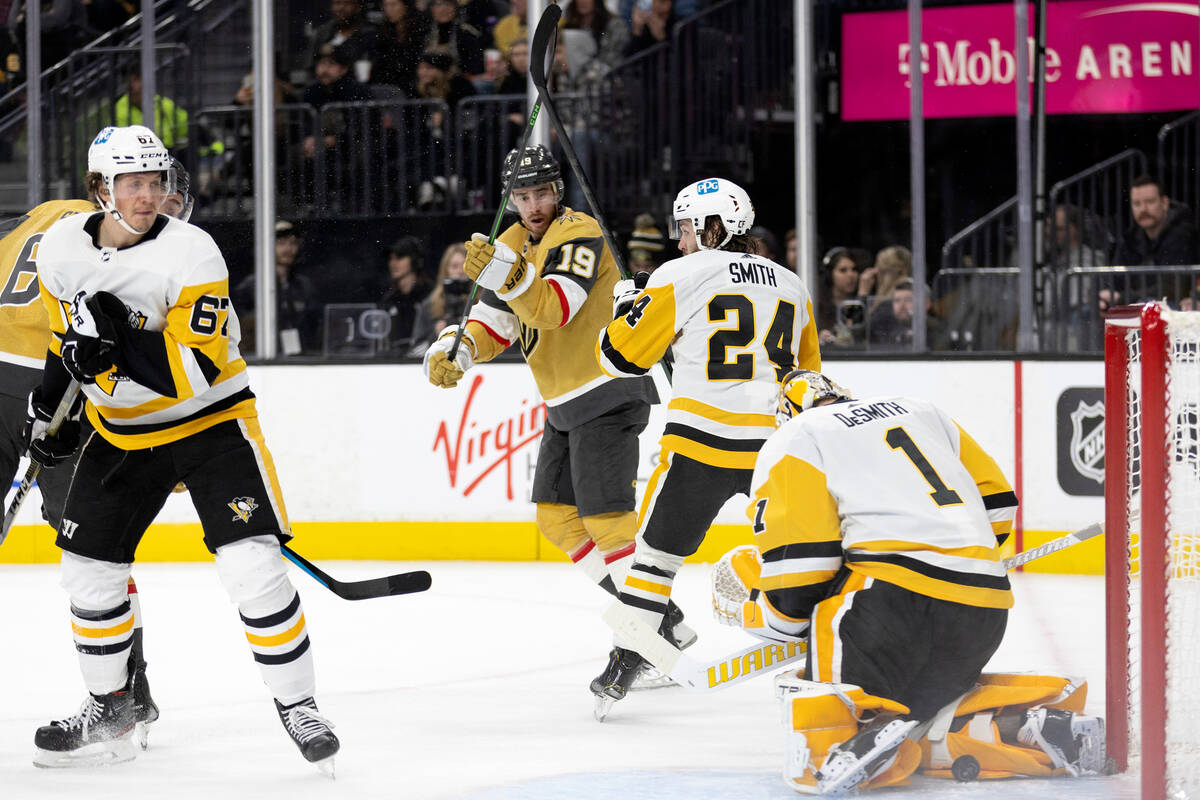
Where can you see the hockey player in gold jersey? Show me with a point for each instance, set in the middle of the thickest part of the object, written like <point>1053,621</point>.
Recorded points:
<point>139,312</point>
<point>548,282</point>
<point>878,524</point>
<point>736,323</point>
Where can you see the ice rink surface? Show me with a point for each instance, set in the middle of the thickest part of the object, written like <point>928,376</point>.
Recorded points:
<point>475,689</point>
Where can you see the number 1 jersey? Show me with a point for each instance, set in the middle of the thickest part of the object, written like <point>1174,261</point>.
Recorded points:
<point>736,324</point>
<point>180,370</point>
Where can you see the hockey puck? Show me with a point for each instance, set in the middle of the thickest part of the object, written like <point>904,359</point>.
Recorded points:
<point>965,769</point>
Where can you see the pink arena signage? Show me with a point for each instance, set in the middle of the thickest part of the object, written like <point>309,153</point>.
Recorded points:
<point>1103,56</point>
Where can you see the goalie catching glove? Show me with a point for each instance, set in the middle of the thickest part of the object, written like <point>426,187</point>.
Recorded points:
<point>735,588</point>
<point>498,267</point>
<point>47,450</point>
<point>438,367</point>
<point>91,339</point>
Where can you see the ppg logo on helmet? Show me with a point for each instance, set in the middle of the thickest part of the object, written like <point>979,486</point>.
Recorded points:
<point>707,186</point>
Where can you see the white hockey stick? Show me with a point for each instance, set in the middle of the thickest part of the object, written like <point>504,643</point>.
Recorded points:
<point>56,421</point>
<point>765,656</point>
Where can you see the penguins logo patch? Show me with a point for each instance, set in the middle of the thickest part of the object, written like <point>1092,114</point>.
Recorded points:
<point>242,508</point>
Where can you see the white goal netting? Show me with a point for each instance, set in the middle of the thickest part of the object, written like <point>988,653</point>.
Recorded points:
<point>1164,503</point>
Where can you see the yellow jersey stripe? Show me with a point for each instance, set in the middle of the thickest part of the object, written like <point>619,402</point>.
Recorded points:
<point>103,633</point>
<point>720,415</point>
<point>932,587</point>
<point>279,638</point>
<point>647,586</point>
<point>708,455</point>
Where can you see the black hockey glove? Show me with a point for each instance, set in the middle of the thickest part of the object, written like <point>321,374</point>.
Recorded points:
<point>50,451</point>
<point>626,291</point>
<point>91,340</point>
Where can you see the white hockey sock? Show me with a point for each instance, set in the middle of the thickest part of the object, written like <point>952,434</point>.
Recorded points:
<point>102,620</point>
<point>135,603</point>
<point>588,559</point>
<point>254,575</point>
<point>617,563</point>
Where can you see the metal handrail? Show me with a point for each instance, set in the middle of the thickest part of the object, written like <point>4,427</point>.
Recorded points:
<point>1131,154</point>
<point>1006,207</point>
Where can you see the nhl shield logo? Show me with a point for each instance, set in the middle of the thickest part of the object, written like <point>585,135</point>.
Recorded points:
<point>1086,447</point>
<point>242,508</point>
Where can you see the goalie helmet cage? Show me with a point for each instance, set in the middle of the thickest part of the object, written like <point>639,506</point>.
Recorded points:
<point>1152,550</point>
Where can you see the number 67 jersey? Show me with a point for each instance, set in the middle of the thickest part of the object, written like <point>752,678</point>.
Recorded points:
<point>736,324</point>
<point>179,370</point>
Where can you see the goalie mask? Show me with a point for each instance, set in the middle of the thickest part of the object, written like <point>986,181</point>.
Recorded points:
<point>120,151</point>
<point>801,389</point>
<point>534,167</point>
<point>712,197</point>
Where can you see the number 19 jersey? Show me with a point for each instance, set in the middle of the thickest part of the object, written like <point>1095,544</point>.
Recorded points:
<point>736,324</point>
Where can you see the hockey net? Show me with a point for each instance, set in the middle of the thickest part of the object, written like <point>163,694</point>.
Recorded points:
<point>1152,572</point>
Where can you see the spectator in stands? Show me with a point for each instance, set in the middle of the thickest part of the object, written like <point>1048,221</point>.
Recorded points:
<point>892,322</point>
<point>297,304</point>
<point>791,249</point>
<point>334,84</point>
<point>400,44</point>
<point>464,43</point>
<point>407,287</point>
<point>840,312</point>
<point>446,303</point>
<point>170,120</point>
<point>646,245</point>
<point>348,29</point>
<point>482,15</point>
<point>238,168</point>
<point>609,31</point>
<point>511,27</point>
<point>577,71</point>
<point>878,281</point>
<point>65,28</point>
<point>683,8</point>
<point>516,76</point>
<point>1163,233</point>
<point>1068,246</point>
<point>650,26</point>
<point>438,79</point>
<point>768,245</point>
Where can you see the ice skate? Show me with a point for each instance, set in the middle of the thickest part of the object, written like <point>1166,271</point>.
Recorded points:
<point>101,732</point>
<point>862,756</point>
<point>678,633</point>
<point>613,683</point>
<point>1073,742</point>
<point>311,732</point>
<point>145,710</point>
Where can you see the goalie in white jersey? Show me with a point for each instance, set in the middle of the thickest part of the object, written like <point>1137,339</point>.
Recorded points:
<point>736,323</point>
<point>878,525</point>
<point>139,313</point>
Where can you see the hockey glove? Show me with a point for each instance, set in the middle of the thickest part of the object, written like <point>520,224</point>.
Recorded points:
<point>735,588</point>
<point>439,369</point>
<point>91,339</point>
<point>50,451</point>
<point>497,267</point>
<point>626,291</point>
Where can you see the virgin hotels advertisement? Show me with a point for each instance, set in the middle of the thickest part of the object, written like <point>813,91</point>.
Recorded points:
<point>1102,57</point>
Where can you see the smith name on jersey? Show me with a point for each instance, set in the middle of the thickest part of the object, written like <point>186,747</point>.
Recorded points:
<point>24,329</point>
<point>736,324</point>
<point>929,517</point>
<point>556,334</point>
<point>181,370</point>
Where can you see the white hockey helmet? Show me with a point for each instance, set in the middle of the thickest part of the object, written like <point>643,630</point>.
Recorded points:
<point>801,389</point>
<point>708,198</point>
<point>118,151</point>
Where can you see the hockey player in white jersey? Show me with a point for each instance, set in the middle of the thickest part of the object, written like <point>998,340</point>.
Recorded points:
<point>140,315</point>
<point>878,524</point>
<point>736,323</point>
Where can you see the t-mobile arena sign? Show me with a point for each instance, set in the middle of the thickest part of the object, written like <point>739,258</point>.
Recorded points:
<point>1101,58</point>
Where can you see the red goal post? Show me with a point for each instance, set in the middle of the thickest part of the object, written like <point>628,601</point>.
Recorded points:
<point>1152,549</point>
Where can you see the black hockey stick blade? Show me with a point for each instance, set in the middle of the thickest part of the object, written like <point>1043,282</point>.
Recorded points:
<point>547,27</point>
<point>402,583</point>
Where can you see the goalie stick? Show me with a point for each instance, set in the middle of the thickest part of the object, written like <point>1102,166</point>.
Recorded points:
<point>546,28</point>
<point>402,583</point>
<point>752,661</point>
<point>56,421</point>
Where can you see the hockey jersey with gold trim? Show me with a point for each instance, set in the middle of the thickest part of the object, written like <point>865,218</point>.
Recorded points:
<point>890,487</point>
<point>178,367</point>
<point>24,328</point>
<point>572,257</point>
<point>736,324</point>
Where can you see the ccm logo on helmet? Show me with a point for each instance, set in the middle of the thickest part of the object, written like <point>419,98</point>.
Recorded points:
<point>707,187</point>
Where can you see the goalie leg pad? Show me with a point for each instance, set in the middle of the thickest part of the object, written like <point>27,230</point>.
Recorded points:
<point>102,619</point>
<point>820,717</point>
<point>255,576</point>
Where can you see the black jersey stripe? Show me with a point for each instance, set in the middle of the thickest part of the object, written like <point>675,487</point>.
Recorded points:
<point>207,411</point>
<point>283,658</point>
<point>100,616</point>
<point>277,618</point>
<point>659,606</point>
<point>798,602</point>
<point>619,361</point>
<point>970,579</point>
<point>712,440</point>
<point>104,649</point>
<point>652,570</point>
<point>828,549</point>
<point>208,369</point>
<point>1000,500</point>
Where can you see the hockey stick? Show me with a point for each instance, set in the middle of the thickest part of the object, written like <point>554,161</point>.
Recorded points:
<point>537,73</point>
<point>754,660</point>
<point>546,28</point>
<point>56,421</point>
<point>403,583</point>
